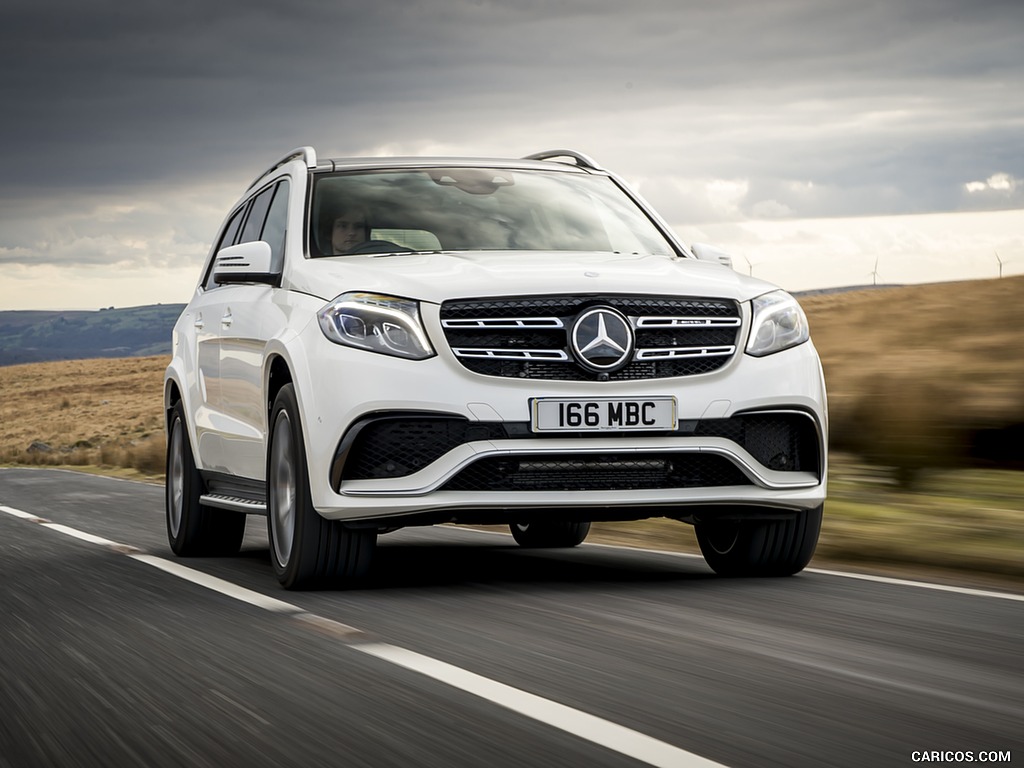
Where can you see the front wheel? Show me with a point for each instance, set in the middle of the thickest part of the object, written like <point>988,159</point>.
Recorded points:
<point>549,534</point>
<point>752,547</point>
<point>306,549</point>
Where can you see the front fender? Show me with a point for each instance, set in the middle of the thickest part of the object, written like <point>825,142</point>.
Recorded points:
<point>288,349</point>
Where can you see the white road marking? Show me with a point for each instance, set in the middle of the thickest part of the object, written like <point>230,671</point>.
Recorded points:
<point>219,585</point>
<point>22,515</point>
<point>77,534</point>
<point>920,584</point>
<point>603,732</point>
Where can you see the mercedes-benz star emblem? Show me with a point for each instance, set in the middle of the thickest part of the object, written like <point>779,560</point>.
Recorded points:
<point>602,340</point>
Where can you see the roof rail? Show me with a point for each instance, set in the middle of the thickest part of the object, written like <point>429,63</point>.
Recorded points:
<point>306,154</point>
<point>583,161</point>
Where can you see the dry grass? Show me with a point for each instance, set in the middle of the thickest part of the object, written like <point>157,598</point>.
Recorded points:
<point>963,338</point>
<point>104,412</point>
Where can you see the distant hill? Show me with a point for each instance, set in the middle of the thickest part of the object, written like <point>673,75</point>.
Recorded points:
<point>35,336</point>
<point>32,336</point>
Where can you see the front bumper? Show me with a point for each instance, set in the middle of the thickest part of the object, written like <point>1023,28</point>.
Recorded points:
<point>340,387</point>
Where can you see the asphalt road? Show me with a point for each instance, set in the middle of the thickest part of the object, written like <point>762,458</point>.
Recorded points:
<point>464,650</point>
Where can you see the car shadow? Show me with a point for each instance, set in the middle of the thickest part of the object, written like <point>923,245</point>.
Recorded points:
<point>416,565</point>
<point>430,563</point>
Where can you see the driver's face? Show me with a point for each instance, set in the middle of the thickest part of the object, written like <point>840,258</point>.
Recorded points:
<point>348,232</point>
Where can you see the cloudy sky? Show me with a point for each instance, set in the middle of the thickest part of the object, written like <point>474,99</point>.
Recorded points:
<point>823,142</point>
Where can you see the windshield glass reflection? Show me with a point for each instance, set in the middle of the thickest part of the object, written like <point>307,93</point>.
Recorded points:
<point>459,209</point>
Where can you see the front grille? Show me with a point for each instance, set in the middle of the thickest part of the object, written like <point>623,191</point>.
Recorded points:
<point>605,472</point>
<point>397,446</point>
<point>527,338</point>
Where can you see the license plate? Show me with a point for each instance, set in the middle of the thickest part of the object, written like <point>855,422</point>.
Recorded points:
<point>556,414</point>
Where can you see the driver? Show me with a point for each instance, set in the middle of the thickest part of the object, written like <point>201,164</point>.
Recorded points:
<point>349,230</point>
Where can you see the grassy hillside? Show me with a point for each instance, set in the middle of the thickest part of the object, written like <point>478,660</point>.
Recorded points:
<point>923,377</point>
<point>33,336</point>
<point>968,336</point>
<point>906,367</point>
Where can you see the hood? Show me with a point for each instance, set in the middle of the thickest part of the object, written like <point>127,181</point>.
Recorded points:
<point>435,277</point>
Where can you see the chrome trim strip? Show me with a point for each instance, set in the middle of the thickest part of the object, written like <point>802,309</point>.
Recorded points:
<point>551,355</point>
<point>672,353</point>
<point>505,323</point>
<point>687,322</point>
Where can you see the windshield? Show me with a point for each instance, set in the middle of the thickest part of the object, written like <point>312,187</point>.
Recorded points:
<point>459,209</point>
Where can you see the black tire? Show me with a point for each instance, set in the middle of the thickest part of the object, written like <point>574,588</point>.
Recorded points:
<point>751,547</point>
<point>549,534</point>
<point>306,549</point>
<point>194,529</point>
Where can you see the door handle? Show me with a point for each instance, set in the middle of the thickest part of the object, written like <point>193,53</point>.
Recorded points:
<point>198,324</point>
<point>226,319</point>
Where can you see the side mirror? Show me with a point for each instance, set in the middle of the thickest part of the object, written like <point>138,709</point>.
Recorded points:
<point>706,252</point>
<point>245,263</point>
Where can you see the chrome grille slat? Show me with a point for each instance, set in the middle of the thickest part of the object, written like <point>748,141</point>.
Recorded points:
<point>686,322</point>
<point>505,323</point>
<point>668,353</point>
<point>513,354</point>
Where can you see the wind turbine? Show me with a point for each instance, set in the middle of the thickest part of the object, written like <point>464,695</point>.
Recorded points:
<point>874,273</point>
<point>1000,265</point>
<point>750,265</point>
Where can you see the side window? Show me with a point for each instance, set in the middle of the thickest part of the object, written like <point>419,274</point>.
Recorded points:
<point>257,215</point>
<point>276,226</point>
<point>226,239</point>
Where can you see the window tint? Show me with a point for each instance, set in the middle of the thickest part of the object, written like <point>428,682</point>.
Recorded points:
<point>257,215</point>
<point>276,226</point>
<point>226,239</point>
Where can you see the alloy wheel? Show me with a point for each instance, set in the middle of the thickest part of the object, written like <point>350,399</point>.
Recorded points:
<point>282,490</point>
<point>176,480</point>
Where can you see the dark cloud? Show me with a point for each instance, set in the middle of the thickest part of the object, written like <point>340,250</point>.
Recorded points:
<point>823,107</point>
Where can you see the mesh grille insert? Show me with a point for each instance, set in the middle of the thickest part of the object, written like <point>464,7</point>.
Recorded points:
<point>399,447</point>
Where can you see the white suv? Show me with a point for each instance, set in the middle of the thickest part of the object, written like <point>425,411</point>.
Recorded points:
<point>383,342</point>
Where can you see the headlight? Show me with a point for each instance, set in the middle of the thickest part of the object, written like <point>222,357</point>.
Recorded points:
<point>779,323</point>
<point>376,323</point>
